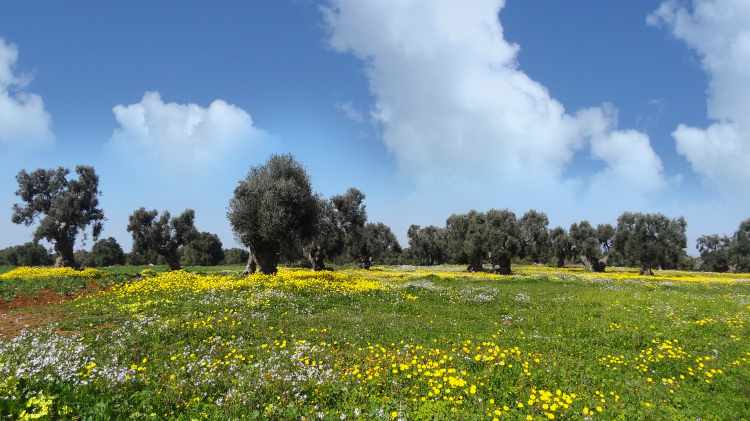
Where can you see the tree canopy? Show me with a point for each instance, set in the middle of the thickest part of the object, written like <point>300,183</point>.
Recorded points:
<point>586,245</point>
<point>503,239</point>
<point>561,246</point>
<point>273,211</point>
<point>28,254</point>
<point>64,207</point>
<point>107,252</point>
<point>650,240</point>
<point>427,244</point>
<point>205,249</point>
<point>162,235</point>
<point>534,235</point>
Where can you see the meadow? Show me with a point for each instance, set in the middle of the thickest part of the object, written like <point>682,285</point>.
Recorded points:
<point>406,343</point>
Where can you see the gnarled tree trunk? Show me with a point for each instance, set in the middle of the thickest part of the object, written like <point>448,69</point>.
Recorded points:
<point>251,265</point>
<point>316,258</point>
<point>475,265</point>
<point>365,262</point>
<point>560,261</point>
<point>594,265</point>
<point>173,260</point>
<point>65,256</point>
<point>267,262</point>
<point>503,265</point>
<point>646,270</point>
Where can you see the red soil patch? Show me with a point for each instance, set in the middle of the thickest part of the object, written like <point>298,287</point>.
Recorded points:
<point>29,311</point>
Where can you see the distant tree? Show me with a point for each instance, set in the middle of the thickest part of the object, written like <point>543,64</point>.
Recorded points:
<point>456,228</point>
<point>235,256</point>
<point>503,239</point>
<point>64,207</point>
<point>203,250</point>
<point>29,254</point>
<point>561,246</point>
<point>466,239</point>
<point>352,217</point>
<point>161,235</point>
<point>605,233</point>
<point>329,239</point>
<point>587,247</point>
<point>107,252</point>
<point>143,257</point>
<point>273,211</point>
<point>534,234</point>
<point>651,240</point>
<point>715,253</point>
<point>376,242</point>
<point>83,258</point>
<point>427,244</point>
<point>740,248</point>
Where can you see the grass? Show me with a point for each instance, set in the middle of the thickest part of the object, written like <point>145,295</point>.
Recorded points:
<point>391,343</point>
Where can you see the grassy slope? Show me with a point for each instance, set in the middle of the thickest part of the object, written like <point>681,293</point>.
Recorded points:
<point>179,351</point>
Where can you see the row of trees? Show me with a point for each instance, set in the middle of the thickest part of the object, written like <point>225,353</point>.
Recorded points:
<point>107,252</point>
<point>277,216</point>
<point>726,253</point>
<point>497,237</point>
<point>274,212</point>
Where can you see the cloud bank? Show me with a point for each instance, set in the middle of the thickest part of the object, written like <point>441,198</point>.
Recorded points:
<point>453,103</point>
<point>23,120</point>
<point>182,133</point>
<point>718,31</point>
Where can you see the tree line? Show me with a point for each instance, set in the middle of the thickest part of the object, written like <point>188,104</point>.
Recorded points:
<point>277,216</point>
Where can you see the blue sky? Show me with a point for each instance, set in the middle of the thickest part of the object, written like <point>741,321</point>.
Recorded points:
<point>426,109</point>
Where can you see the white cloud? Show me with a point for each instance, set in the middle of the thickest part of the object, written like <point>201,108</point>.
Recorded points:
<point>185,133</point>
<point>23,120</point>
<point>454,104</point>
<point>350,111</point>
<point>631,163</point>
<point>719,33</point>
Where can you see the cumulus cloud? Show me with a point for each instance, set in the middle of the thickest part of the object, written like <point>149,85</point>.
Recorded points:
<point>185,133</point>
<point>23,120</point>
<point>718,31</point>
<point>453,102</point>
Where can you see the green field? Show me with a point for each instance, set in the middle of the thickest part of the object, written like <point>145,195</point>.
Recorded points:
<point>390,343</point>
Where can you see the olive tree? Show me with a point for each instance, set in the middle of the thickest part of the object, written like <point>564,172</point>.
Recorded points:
<point>203,250</point>
<point>161,235</point>
<point>561,245</point>
<point>273,211</point>
<point>427,244</point>
<point>352,217</point>
<point>715,252</point>
<point>28,254</point>
<point>376,242</point>
<point>740,248</point>
<point>329,239</point>
<point>534,232</point>
<point>466,239</point>
<point>64,207</point>
<point>605,233</point>
<point>587,247</point>
<point>107,252</point>
<point>503,239</point>
<point>650,240</point>
<point>235,256</point>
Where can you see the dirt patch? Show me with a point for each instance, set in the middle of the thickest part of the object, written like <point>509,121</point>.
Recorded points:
<point>40,309</point>
<point>40,298</point>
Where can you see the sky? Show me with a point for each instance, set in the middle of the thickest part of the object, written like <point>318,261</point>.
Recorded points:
<point>430,107</point>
